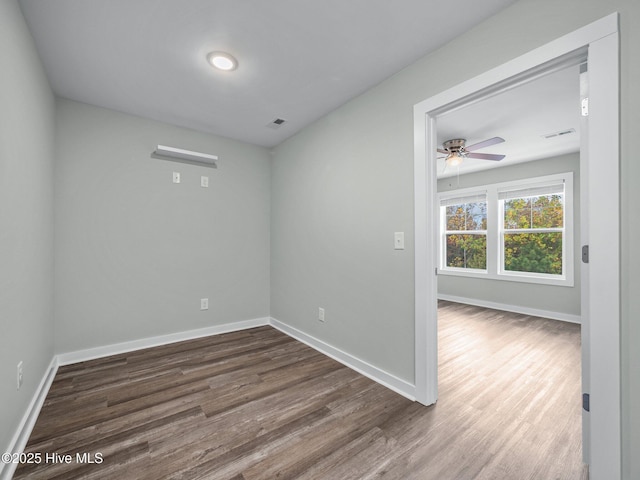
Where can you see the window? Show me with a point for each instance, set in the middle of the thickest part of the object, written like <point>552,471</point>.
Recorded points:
<point>465,232</point>
<point>532,229</point>
<point>520,231</point>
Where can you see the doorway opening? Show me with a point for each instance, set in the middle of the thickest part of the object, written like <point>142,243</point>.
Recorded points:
<point>509,270</point>
<point>599,173</point>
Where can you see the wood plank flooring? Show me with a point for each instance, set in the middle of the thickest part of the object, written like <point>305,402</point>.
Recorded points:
<point>257,404</point>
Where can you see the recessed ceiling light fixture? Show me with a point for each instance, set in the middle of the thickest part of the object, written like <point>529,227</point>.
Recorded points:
<point>222,61</point>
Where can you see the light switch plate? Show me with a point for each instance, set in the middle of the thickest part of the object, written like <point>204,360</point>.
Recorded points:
<point>176,177</point>
<point>398,240</point>
<point>204,181</point>
<point>204,304</point>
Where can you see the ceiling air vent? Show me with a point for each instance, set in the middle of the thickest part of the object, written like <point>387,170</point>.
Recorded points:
<point>560,133</point>
<point>277,123</point>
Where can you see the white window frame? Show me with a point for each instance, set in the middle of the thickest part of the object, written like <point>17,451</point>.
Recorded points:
<point>495,232</point>
<point>443,231</point>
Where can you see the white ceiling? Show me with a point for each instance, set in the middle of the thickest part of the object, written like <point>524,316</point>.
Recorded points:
<point>298,59</point>
<point>522,116</point>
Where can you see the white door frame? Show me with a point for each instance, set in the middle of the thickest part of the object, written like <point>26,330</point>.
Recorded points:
<point>599,40</point>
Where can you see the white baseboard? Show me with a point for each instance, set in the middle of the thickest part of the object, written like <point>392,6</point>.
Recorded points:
<point>374,373</point>
<point>23,432</point>
<point>565,317</point>
<point>125,347</point>
<point>21,437</point>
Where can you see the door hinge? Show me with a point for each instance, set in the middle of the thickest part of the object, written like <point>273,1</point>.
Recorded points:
<point>585,254</point>
<point>584,107</point>
<point>585,402</point>
<point>436,270</point>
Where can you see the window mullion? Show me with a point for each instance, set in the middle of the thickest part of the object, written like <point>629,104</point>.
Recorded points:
<point>492,231</point>
<point>466,232</point>
<point>533,230</point>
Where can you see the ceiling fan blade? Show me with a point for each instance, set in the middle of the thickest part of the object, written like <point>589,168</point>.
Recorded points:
<point>485,156</point>
<point>486,143</point>
<point>443,151</point>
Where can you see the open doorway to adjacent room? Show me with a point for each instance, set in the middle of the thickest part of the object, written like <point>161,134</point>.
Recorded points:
<point>509,279</point>
<point>596,45</point>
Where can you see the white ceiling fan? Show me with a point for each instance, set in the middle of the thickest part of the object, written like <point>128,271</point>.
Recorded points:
<point>456,151</point>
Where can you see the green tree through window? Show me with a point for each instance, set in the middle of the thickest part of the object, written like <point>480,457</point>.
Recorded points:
<point>533,234</point>
<point>519,230</point>
<point>465,235</point>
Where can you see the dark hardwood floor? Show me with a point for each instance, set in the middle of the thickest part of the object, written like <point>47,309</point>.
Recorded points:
<point>257,404</point>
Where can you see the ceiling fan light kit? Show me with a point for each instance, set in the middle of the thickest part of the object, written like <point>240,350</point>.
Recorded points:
<point>454,159</point>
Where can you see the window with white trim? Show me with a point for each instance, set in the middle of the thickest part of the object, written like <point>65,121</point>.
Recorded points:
<point>464,222</point>
<point>519,231</point>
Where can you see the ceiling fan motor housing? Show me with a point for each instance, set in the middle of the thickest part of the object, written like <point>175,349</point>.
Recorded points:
<point>455,145</point>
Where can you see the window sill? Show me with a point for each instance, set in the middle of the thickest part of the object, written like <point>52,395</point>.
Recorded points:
<point>507,277</point>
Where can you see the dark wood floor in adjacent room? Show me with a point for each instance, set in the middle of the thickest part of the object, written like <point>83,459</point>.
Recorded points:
<point>257,404</point>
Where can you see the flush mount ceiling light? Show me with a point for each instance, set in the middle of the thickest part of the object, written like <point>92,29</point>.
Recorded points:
<point>222,61</point>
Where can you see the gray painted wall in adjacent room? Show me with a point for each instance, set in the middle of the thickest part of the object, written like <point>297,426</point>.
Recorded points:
<point>26,219</point>
<point>344,185</point>
<point>135,252</point>
<point>529,295</point>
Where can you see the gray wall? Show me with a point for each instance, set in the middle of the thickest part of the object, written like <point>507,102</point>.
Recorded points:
<point>338,196</point>
<point>342,186</point>
<point>26,219</point>
<point>530,295</point>
<point>134,252</point>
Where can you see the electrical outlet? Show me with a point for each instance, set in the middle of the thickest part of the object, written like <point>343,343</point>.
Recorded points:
<point>321,314</point>
<point>204,181</point>
<point>20,375</point>
<point>204,304</point>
